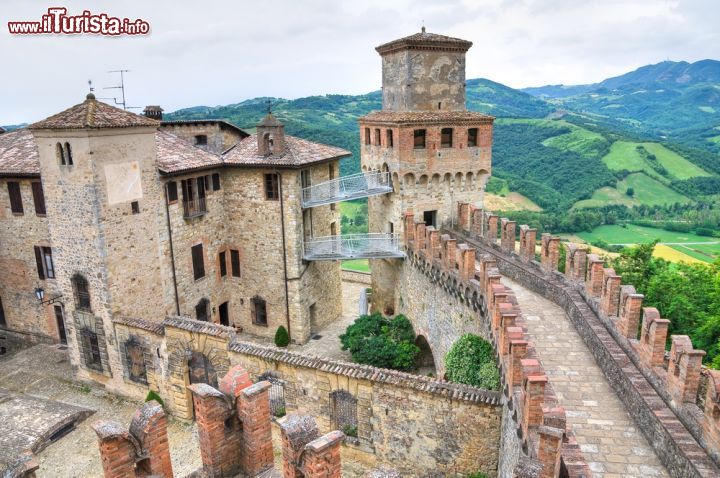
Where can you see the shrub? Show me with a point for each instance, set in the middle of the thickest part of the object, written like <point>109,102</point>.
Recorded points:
<point>471,361</point>
<point>282,339</point>
<point>153,395</point>
<point>630,192</point>
<point>381,342</point>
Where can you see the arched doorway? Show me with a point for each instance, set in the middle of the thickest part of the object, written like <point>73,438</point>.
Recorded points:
<point>425,362</point>
<point>201,370</point>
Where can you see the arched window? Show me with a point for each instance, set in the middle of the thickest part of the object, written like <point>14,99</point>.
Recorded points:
<point>201,310</point>
<point>343,412</point>
<point>81,291</point>
<point>68,155</point>
<point>60,154</point>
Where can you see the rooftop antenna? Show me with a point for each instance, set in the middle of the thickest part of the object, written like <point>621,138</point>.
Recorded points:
<point>90,86</point>
<point>269,106</point>
<point>120,87</point>
<point>423,27</point>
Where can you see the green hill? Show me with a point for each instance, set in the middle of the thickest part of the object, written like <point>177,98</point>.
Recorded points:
<point>560,159</point>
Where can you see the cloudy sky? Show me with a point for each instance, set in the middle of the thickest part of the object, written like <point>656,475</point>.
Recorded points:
<point>215,52</point>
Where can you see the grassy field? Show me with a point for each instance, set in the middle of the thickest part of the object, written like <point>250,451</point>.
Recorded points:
<point>511,201</point>
<point>624,155</point>
<point>359,265</point>
<point>674,254</point>
<point>701,252</point>
<point>579,140</point>
<point>632,234</point>
<point>648,191</point>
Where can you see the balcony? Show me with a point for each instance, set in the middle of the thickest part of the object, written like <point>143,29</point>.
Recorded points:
<point>355,186</point>
<point>353,246</point>
<point>194,208</point>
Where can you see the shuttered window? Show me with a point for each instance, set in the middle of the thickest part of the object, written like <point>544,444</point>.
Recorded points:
<point>43,259</point>
<point>198,263</point>
<point>235,262</point>
<point>16,205</point>
<point>38,198</point>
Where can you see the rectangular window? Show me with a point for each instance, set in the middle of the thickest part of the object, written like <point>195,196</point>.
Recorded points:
<point>391,227</point>
<point>43,259</point>
<point>135,207</point>
<point>430,218</point>
<point>235,262</point>
<point>472,137</point>
<point>92,349</point>
<point>377,137</point>
<point>198,262</point>
<point>259,312</point>
<point>187,190</point>
<point>446,138</point>
<point>201,140</point>
<point>305,178</point>
<point>223,263</point>
<point>367,135</point>
<point>419,139</point>
<point>3,323</point>
<point>389,138</point>
<point>38,198</point>
<point>272,187</point>
<point>216,182</point>
<point>172,193</point>
<point>16,205</point>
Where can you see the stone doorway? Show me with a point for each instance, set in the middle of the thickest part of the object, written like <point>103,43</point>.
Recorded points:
<point>201,370</point>
<point>425,362</point>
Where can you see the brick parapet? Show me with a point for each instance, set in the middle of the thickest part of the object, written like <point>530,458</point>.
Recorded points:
<point>686,432</point>
<point>477,282</point>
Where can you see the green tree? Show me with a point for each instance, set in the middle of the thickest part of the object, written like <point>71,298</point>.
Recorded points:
<point>381,342</point>
<point>471,361</point>
<point>630,192</point>
<point>282,338</point>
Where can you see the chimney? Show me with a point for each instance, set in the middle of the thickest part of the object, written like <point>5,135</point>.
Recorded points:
<point>154,112</point>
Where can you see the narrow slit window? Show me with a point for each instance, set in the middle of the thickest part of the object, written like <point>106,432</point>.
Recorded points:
<point>367,135</point>
<point>377,137</point>
<point>235,262</point>
<point>223,263</point>
<point>68,154</point>
<point>389,138</point>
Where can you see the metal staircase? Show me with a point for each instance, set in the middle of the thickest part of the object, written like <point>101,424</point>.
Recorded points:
<point>353,246</point>
<point>355,186</point>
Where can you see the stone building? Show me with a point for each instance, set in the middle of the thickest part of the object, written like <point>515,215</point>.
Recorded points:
<point>436,152</point>
<point>109,216</point>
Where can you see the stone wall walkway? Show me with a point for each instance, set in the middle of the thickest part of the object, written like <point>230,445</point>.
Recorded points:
<point>607,435</point>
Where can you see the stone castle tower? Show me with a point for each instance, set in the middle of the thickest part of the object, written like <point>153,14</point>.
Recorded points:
<point>436,151</point>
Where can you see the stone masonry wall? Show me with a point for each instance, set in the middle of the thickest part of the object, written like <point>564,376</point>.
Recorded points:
<point>25,318</point>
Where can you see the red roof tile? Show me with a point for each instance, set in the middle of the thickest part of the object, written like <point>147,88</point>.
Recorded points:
<point>92,113</point>
<point>426,117</point>
<point>298,153</point>
<point>424,40</point>
<point>19,154</point>
<point>175,154</point>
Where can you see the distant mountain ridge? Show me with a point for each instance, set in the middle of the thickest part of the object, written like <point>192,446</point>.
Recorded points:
<point>668,73</point>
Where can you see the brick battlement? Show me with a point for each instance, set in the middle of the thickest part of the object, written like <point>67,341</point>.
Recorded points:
<point>234,428</point>
<point>547,440</point>
<point>663,396</point>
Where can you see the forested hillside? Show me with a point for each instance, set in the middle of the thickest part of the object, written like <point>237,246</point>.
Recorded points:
<point>578,148</point>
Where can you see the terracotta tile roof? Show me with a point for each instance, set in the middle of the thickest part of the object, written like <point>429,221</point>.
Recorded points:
<point>298,153</point>
<point>19,154</point>
<point>154,327</point>
<point>412,117</point>
<point>424,40</point>
<point>455,391</point>
<point>198,326</point>
<point>221,123</point>
<point>175,154</point>
<point>92,113</point>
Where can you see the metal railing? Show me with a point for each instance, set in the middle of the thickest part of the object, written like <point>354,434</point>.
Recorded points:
<point>194,207</point>
<point>352,246</point>
<point>347,187</point>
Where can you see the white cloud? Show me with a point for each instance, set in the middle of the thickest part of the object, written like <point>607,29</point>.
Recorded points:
<point>223,51</point>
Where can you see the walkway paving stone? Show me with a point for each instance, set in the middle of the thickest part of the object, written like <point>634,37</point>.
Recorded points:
<point>607,435</point>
